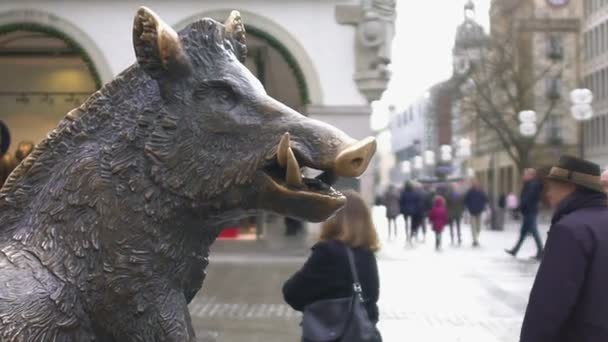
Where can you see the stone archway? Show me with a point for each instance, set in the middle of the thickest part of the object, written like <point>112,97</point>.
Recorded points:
<point>53,66</point>
<point>274,35</point>
<point>63,29</point>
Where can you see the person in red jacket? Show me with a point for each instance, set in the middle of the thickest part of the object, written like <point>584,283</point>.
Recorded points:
<point>439,218</point>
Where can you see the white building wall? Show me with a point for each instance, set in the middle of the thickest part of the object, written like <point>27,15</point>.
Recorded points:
<point>406,128</point>
<point>311,23</point>
<point>324,49</point>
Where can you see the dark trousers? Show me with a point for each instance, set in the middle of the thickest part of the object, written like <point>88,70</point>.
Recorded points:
<point>437,240</point>
<point>409,222</point>
<point>392,222</point>
<point>529,227</point>
<point>455,226</point>
<point>417,222</point>
<point>423,223</point>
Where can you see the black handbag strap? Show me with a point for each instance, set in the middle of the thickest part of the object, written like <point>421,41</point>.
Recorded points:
<point>353,270</point>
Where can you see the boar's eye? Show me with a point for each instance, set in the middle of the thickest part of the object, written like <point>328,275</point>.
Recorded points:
<point>216,92</point>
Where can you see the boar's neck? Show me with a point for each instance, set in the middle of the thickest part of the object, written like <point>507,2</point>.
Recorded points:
<point>84,203</point>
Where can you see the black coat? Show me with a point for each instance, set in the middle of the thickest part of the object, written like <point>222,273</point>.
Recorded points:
<point>411,202</point>
<point>326,275</point>
<point>568,302</point>
<point>475,200</point>
<point>530,197</point>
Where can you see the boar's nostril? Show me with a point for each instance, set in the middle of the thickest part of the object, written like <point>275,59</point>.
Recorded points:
<point>354,159</point>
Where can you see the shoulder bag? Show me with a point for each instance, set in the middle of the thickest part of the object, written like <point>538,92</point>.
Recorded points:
<point>341,319</point>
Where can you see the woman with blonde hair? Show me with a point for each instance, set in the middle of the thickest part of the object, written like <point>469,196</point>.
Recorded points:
<point>327,274</point>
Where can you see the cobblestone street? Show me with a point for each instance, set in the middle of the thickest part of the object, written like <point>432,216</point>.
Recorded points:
<point>459,294</point>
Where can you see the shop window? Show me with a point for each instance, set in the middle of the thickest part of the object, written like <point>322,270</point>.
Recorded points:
<point>553,87</point>
<point>554,130</point>
<point>554,47</point>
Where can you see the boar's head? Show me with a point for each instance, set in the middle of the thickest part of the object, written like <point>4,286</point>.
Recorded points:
<point>220,140</point>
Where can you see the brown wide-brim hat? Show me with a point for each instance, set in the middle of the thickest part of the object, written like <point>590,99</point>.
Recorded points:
<point>577,171</point>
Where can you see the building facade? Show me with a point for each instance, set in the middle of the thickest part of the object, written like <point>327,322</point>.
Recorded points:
<point>544,44</point>
<point>410,134</point>
<point>425,125</point>
<point>595,78</point>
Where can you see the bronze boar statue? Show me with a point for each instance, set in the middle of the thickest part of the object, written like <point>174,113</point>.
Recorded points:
<point>105,227</point>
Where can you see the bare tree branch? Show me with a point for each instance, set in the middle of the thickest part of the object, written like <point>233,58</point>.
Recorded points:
<point>504,85</point>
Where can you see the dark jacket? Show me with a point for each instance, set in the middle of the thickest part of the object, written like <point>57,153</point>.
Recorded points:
<point>410,202</point>
<point>568,302</point>
<point>531,194</point>
<point>455,203</point>
<point>475,200</point>
<point>391,202</point>
<point>326,275</point>
<point>428,201</point>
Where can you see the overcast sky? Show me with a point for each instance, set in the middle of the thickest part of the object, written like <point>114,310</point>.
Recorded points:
<point>422,49</point>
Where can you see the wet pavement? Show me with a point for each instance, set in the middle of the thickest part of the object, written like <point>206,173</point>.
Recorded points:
<point>459,294</point>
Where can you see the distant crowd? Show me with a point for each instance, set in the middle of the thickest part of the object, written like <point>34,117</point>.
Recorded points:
<point>437,206</point>
<point>444,205</point>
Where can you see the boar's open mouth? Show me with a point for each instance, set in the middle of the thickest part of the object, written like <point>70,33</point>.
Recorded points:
<point>312,199</point>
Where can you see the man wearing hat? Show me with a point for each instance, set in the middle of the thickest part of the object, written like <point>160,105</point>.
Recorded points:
<point>568,302</point>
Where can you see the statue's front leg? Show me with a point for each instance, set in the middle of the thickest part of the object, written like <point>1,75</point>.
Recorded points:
<point>164,318</point>
<point>174,319</point>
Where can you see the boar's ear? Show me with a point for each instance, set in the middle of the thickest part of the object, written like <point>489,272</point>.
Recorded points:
<point>235,31</point>
<point>157,46</point>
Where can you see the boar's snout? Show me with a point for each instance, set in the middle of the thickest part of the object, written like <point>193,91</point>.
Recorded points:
<point>354,159</point>
<point>305,142</point>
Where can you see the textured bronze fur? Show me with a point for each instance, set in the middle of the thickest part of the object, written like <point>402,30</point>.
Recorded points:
<point>105,226</point>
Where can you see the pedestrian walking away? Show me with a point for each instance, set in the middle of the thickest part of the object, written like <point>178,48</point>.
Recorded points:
<point>411,207</point>
<point>327,273</point>
<point>439,218</point>
<point>455,204</point>
<point>568,302</point>
<point>428,196</point>
<point>475,201</point>
<point>391,202</point>
<point>531,196</point>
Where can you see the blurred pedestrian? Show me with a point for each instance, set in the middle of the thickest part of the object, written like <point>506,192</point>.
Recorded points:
<point>411,207</point>
<point>439,218</point>
<point>568,302</point>
<point>391,202</point>
<point>531,195</point>
<point>455,204</point>
<point>604,180</point>
<point>428,200</point>
<point>326,274</point>
<point>24,148</point>
<point>501,211</point>
<point>512,205</point>
<point>292,226</point>
<point>475,201</point>
<point>7,164</point>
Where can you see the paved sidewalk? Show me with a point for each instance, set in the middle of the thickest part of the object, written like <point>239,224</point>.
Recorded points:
<point>460,294</point>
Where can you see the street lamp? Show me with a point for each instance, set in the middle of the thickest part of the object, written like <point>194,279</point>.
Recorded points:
<point>464,148</point>
<point>464,152</point>
<point>446,153</point>
<point>406,167</point>
<point>527,126</point>
<point>418,163</point>
<point>581,111</point>
<point>429,158</point>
